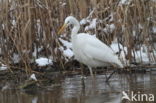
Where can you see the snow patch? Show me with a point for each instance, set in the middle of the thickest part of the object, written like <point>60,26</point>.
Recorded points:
<point>134,33</point>
<point>123,28</point>
<point>5,87</point>
<point>66,43</point>
<point>34,100</point>
<point>33,77</point>
<point>3,26</point>
<point>13,22</point>
<point>0,51</point>
<point>110,18</point>
<point>123,52</point>
<point>83,21</point>
<point>154,29</point>
<point>92,25</point>
<point>124,2</point>
<point>142,55</point>
<point>140,26</point>
<point>68,53</point>
<point>109,28</point>
<point>63,4</point>
<point>3,67</point>
<point>16,58</point>
<point>43,61</point>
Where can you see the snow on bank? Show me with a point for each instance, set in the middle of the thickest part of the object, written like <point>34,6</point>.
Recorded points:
<point>67,51</point>
<point>125,2</point>
<point>65,43</point>
<point>123,52</point>
<point>33,77</point>
<point>3,67</point>
<point>34,100</point>
<point>92,25</point>
<point>16,58</point>
<point>154,29</point>
<point>84,21</point>
<point>42,61</point>
<point>142,55</point>
<point>109,28</point>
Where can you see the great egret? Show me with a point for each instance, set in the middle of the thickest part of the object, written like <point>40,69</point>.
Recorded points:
<point>88,49</point>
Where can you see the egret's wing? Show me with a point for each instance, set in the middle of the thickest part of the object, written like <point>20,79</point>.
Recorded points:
<point>98,53</point>
<point>95,49</point>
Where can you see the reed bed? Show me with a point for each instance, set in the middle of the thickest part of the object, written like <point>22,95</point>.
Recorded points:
<point>28,28</point>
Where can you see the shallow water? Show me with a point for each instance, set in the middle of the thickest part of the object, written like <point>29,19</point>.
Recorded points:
<point>74,90</point>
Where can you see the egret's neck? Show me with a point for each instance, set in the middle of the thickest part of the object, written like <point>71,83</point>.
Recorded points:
<point>75,31</point>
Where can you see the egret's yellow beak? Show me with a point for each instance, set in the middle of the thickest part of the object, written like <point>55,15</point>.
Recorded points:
<point>62,28</point>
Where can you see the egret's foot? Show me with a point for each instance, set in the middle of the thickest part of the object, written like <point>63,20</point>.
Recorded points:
<point>83,81</point>
<point>83,77</point>
<point>107,78</point>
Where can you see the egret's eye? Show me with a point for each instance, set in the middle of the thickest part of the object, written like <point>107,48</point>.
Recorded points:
<point>68,23</point>
<point>70,26</point>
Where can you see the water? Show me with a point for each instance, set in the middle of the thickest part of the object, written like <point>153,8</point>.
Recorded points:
<point>74,90</point>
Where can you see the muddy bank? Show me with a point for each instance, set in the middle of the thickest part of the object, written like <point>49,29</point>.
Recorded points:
<point>49,76</point>
<point>19,79</point>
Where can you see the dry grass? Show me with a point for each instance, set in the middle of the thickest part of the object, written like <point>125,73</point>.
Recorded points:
<point>26,25</point>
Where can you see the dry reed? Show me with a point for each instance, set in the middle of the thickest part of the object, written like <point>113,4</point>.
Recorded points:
<point>29,25</point>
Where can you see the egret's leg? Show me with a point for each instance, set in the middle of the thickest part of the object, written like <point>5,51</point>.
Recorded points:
<point>82,72</point>
<point>82,77</point>
<point>91,72</point>
<point>107,78</point>
<point>93,80</point>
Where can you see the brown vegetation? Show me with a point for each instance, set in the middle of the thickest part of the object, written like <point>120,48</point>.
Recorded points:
<point>26,25</point>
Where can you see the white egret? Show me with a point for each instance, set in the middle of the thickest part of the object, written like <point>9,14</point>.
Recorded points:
<point>88,49</point>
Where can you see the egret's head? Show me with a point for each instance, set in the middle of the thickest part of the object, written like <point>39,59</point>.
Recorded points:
<point>70,20</point>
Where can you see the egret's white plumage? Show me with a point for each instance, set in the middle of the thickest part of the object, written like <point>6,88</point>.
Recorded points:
<point>88,49</point>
